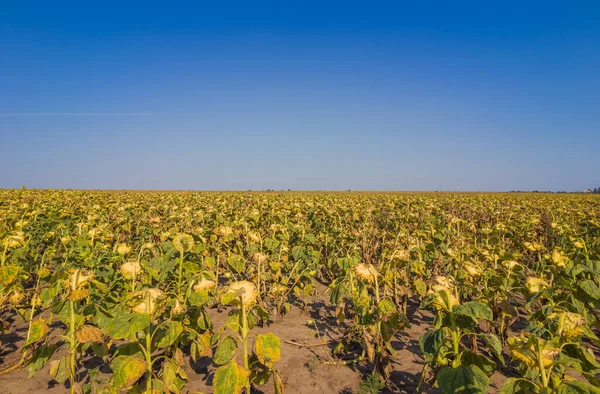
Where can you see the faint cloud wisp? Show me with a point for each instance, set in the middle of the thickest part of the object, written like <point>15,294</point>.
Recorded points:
<point>75,113</point>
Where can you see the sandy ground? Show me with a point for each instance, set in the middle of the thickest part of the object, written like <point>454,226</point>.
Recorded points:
<point>294,363</point>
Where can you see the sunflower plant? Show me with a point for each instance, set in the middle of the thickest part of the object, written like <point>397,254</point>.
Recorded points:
<point>454,364</point>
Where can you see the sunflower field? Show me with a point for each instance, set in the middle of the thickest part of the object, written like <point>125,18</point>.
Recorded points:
<point>108,292</point>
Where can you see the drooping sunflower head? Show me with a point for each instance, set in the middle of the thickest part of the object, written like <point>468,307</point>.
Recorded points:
<point>244,291</point>
<point>146,301</point>
<point>367,272</point>
<point>123,249</point>
<point>131,269</point>
<point>535,285</point>
<point>183,242</point>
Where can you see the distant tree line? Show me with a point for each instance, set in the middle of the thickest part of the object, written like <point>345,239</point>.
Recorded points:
<point>540,191</point>
<point>592,191</point>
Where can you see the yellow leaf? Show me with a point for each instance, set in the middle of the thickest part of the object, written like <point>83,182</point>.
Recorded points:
<point>267,349</point>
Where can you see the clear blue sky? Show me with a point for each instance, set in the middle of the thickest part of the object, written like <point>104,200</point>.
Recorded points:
<point>312,95</point>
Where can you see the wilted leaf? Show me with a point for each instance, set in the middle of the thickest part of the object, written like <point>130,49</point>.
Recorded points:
<point>278,383</point>
<point>204,340</point>
<point>59,369</point>
<point>127,370</point>
<point>89,334</point>
<point>267,349</point>
<point>37,332</point>
<point>230,379</point>
<point>8,274</point>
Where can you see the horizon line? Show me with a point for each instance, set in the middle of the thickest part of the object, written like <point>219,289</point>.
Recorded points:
<point>305,190</point>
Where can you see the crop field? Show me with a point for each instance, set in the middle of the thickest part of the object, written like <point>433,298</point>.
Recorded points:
<point>201,292</point>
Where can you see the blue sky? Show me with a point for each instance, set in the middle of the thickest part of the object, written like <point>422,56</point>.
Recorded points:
<point>315,95</point>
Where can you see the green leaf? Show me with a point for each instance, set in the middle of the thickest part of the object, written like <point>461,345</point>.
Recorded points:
<point>198,298</point>
<point>590,288</point>
<point>127,370</point>
<point>48,295</point>
<point>227,297</point>
<point>39,359</point>
<point>235,261</point>
<point>262,313</point>
<point>494,345</point>
<point>37,331</point>
<point>173,376</point>
<point>593,379</point>
<point>420,287</point>
<point>159,268</point>
<point>591,335</point>
<point>168,333</point>
<point>463,321</point>
<point>576,387</point>
<point>462,380</point>
<point>230,379</point>
<point>203,321</point>
<point>260,374</point>
<point>577,269</point>
<point>387,307</point>
<point>516,386</point>
<point>474,309</point>
<point>195,351</point>
<point>225,351</point>
<point>432,341</point>
<point>130,349</point>
<point>233,320</point>
<point>271,244</point>
<point>587,361</point>
<point>469,358</point>
<point>267,349</point>
<point>297,252</point>
<point>100,350</point>
<point>120,323</point>
<point>25,313</point>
